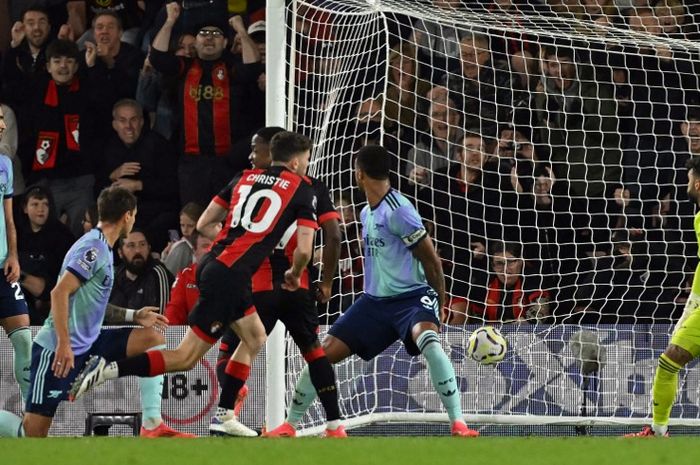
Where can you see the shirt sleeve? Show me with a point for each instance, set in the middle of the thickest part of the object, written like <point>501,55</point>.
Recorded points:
<point>306,213</point>
<point>87,259</point>
<point>223,198</point>
<point>407,224</point>
<point>325,209</point>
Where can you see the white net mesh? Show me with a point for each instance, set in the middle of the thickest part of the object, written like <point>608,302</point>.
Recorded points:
<point>544,145</point>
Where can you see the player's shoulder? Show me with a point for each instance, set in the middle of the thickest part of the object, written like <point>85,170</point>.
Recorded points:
<point>395,200</point>
<point>93,243</point>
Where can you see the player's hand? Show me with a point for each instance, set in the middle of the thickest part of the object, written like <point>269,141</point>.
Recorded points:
<point>149,317</point>
<point>63,360</point>
<point>323,292</point>
<point>17,33</point>
<point>291,281</point>
<point>90,54</point>
<point>173,11</point>
<point>12,270</point>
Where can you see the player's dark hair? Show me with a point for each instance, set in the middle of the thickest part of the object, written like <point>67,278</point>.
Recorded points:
<point>374,161</point>
<point>267,133</point>
<point>693,164</point>
<point>286,145</point>
<point>62,48</point>
<point>113,203</point>
<point>36,7</point>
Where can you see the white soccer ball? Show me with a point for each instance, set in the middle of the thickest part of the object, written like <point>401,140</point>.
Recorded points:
<point>486,345</point>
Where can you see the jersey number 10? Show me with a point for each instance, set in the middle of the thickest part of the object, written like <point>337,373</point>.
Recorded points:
<point>247,204</point>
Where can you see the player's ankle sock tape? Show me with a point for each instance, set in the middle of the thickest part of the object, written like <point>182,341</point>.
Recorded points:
<point>221,369</point>
<point>304,395</point>
<point>442,373</point>
<point>151,391</point>
<point>665,388</point>
<point>236,376</point>
<point>143,365</point>
<point>323,379</point>
<point>21,339</point>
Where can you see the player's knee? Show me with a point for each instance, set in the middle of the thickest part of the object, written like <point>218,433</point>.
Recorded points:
<point>258,341</point>
<point>678,354</point>
<point>154,338</point>
<point>334,349</point>
<point>35,429</point>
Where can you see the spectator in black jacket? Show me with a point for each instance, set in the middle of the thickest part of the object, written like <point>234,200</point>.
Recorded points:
<point>116,67</point>
<point>42,241</point>
<point>140,280</point>
<point>143,162</point>
<point>26,56</point>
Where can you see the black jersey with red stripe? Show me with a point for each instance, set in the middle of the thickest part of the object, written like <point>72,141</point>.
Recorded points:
<point>262,205</point>
<point>271,272</point>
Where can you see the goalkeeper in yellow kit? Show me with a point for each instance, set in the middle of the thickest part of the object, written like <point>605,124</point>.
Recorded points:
<point>685,340</point>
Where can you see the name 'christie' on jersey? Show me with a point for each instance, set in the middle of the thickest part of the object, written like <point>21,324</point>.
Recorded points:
<point>90,260</point>
<point>390,230</point>
<point>262,205</point>
<point>271,272</point>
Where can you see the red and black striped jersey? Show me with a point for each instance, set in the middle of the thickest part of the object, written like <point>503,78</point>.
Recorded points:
<point>271,272</point>
<point>262,204</point>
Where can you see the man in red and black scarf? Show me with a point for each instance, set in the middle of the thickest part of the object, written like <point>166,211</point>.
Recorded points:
<point>207,104</point>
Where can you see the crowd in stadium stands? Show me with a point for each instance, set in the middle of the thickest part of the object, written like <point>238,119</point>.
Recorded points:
<point>548,170</point>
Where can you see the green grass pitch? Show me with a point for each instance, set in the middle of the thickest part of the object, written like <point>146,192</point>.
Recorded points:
<point>357,450</point>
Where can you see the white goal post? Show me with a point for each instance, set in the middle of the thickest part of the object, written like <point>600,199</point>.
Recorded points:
<point>559,132</point>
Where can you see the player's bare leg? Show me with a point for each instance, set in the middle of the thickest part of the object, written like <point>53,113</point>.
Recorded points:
<point>36,426</point>
<point>151,388</point>
<point>442,375</point>
<point>304,392</point>
<point>252,334</point>
<point>152,363</point>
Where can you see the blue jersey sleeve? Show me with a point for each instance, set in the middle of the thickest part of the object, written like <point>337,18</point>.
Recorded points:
<point>406,223</point>
<point>6,177</point>
<point>87,258</point>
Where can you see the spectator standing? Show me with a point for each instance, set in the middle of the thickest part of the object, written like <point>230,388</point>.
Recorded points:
<point>208,125</point>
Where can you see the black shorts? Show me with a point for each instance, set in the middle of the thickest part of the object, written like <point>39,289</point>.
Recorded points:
<point>225,295</point>
<point>297,310</point>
